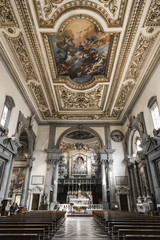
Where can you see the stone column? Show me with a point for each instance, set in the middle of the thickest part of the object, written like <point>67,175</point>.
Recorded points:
<point>146,182</point>
<point>4,178</point>
<point>53,158</point>
<point>113,201</point>
<point>48,180</point>
<point>24,196</point>
<point>137,181</point>
<point>103,161</point>
<point>133,187</point>
<point>55,182</point>
<point>9,177</point>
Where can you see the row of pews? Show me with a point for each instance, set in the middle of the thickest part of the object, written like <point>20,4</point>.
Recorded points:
<point>128,226</point>
<point>34,225</point>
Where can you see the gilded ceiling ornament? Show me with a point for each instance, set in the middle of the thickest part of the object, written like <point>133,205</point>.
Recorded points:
<point>6,14</point>
<point>37,91</point>
<point>133,24</point>
<point>124,94</point>
<point>112,5</point>
<point>141,52</point>
<point>50,5</point>
<point>81,100</point>
<point>17,44</point>
<point>153,18</point>
<point>54,13</point>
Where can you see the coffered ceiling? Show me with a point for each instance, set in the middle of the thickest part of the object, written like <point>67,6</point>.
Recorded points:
<point>80,60</point>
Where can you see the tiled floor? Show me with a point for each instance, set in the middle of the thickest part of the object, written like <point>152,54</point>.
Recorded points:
<point>80,228</point>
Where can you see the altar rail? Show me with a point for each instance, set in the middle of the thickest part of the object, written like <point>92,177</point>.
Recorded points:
<point>89,208</point>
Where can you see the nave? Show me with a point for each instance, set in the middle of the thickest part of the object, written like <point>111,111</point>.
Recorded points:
<point>80,228</point>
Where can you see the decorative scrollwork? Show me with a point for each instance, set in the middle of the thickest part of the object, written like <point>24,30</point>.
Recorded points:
<point>6,14</point>
<point>81,100</point>
<point>50,5</point>
<point>153,17</point>
<point>111,4</point>
<point>19,48</point>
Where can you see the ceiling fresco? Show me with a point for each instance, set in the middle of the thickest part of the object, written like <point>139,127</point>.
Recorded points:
<point>80,60</point>
<point>80,52</point>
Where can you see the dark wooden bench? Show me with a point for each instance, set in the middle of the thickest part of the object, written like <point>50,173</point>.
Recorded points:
<point>142,237</point>
<point>39,231</point>
<point>20,236</point>
<point>123,232</point>
<point>50,221</point>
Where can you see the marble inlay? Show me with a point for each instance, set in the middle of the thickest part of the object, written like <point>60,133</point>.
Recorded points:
<point>80,228</point>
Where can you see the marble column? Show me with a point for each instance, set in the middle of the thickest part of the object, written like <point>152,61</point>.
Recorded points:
<point>137,181</point>
<point>55,182</point>
<point>146,182</point>
<point>24,196</point>
<point>4,178</point>
<point>104,184</point>
<point>48,180</point>
<point>53,158</point>
<point>9,177</point>
<point>113,202</point>
<point>133,187</point>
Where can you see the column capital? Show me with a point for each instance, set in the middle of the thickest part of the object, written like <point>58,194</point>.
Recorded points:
<point>30,161</point>
<point>53,155</point>
<point>110,161</point>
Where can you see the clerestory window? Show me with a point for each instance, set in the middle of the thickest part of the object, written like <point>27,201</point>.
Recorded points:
<point>153,105</point>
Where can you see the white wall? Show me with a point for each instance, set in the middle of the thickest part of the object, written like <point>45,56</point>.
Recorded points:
<point>39,164</point>
<point>119,165</point>
<point>8,87</point>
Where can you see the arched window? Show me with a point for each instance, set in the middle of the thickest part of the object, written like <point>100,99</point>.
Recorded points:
<point>153,106</point>
<point>8,105</point>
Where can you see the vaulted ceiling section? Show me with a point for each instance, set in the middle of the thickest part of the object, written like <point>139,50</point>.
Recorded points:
<point>80,60</point>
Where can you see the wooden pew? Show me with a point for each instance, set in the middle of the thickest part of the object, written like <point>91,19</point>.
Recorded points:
<point>142,237</point>
<point>123,232</point>
<point>20,236</point>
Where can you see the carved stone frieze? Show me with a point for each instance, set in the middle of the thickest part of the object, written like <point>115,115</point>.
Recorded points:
<point>7,17</point>
<point>19,49</point>
<point>153,17</point>
<point>50,12</point>
<point>141,52</point>
<point>80,147</point>
<point>81,100</point>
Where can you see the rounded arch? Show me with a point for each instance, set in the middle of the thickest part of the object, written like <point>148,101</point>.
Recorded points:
<point>72,129</point>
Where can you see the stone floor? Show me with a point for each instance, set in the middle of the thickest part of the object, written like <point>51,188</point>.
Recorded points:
<point>80,228</point>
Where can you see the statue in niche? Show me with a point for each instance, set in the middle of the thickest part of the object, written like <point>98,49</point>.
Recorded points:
<point>79,166</point>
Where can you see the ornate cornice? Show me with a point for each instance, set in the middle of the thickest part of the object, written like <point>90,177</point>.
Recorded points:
<point>27,21</point>
<point>132,27</point>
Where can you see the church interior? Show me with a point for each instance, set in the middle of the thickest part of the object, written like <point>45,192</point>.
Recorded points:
<point>80,117</point>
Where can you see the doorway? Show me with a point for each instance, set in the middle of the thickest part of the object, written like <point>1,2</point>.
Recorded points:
<point>123,202</point>
<point>35,201</point>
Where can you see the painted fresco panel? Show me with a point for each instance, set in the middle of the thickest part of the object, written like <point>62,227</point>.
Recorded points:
<point>80,52</point>
<point>18,176</point>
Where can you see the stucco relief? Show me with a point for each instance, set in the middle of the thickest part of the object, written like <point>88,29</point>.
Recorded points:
<point>7,17</point>
<point>81,100</point>
<point>142,50</point>
<point>18,46</point>
<point>49,11</point>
